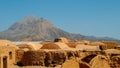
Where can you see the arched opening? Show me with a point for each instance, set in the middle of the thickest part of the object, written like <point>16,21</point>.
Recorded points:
<point>101,48</point>
<point>5,62</point>
<point>10,55</point>
<point>19,63</point>
<point>87,59</point>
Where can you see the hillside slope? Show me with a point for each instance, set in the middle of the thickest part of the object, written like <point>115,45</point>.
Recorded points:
<point>31,28</point>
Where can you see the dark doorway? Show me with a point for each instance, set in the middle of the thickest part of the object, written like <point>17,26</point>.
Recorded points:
<point>5,62</point>
<point>10,55</point>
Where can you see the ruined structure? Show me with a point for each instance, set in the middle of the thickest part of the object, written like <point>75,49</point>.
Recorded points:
<point>110,44</point>
<point>70,64</point>
<point>100,61</point>
<point>7,53</point>
<point>80,54</point>
<point>29,46</point>
<point>62,39</point>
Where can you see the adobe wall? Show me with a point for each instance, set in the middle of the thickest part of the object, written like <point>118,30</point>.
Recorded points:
<point>9,53</point>
<point>48,58</point>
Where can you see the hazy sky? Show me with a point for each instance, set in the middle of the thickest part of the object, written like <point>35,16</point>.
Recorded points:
<point>87,17</point>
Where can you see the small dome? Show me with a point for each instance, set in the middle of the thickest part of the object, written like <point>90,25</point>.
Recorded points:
<point>30,46</point>
<point>70,64</point>
<point>100,61</point>
<point>50,46</point>
<point>6,43</point>
<point>62,45</point>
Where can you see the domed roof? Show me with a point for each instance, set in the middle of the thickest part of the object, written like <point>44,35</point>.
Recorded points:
<point>30,46</point>
<point>50,45</point>
<point>70,64</point>
<point>100,61</point>
<point>55,45</point>
<point>62,45</point>
<point>6,43</point>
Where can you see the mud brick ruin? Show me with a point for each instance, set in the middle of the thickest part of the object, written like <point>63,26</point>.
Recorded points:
<point>63,52</point>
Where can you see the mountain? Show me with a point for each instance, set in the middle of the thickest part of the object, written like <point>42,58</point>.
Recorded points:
<point>31,28</point>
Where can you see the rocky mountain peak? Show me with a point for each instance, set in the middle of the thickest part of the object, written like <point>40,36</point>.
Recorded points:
<point>31,28</point>
<point>28,19</point>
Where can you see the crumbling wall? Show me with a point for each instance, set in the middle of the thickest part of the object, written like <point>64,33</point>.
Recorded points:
<point>115,61</point>
<point>100,61</point>
<point>58,57</point>
<point>52,58</point>
<point>19,54</point>
<point>33,58</point>
<point>44,58</point>
<point>110,44</point>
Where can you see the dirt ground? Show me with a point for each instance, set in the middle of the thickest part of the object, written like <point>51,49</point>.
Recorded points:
<point>15,66</point>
